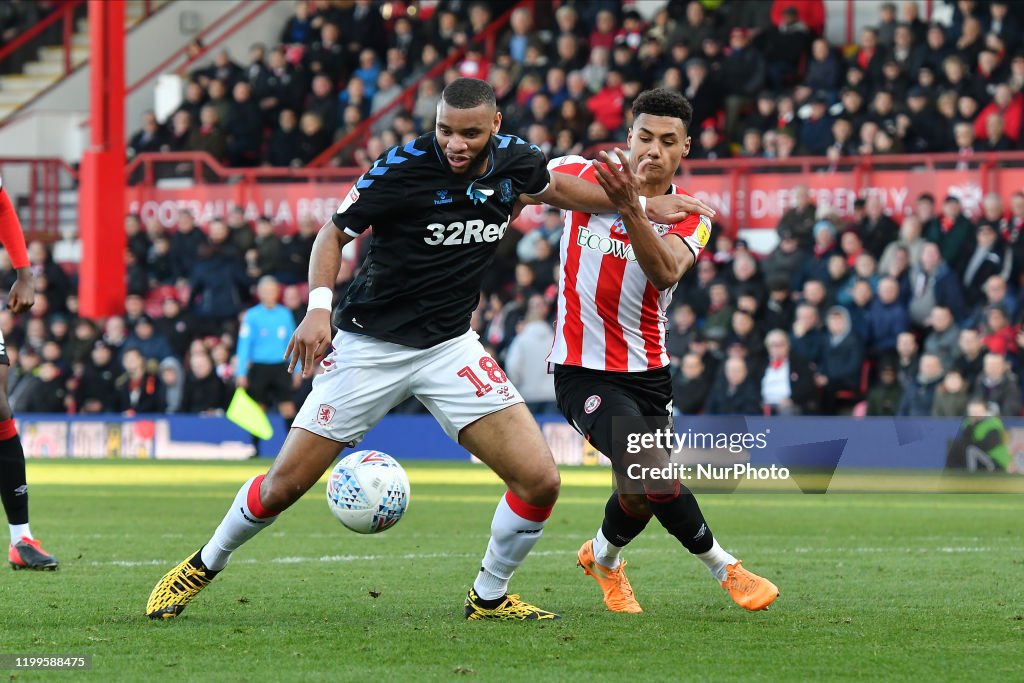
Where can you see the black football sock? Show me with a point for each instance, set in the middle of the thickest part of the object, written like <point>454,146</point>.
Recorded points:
<point>620,526</point>
<point>13,486</point>
<point>681,516</point>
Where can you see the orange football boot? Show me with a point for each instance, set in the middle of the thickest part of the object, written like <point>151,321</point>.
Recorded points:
<point>747,589</point>
<point>618,594</point>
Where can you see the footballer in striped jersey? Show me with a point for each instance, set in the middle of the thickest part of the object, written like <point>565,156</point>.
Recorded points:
<point>618,272</point>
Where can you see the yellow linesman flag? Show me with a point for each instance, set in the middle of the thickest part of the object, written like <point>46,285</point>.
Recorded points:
<point>247,414</point>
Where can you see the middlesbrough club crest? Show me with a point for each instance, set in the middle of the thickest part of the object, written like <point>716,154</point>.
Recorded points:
<point>592,404</point>
<point>324,414</point>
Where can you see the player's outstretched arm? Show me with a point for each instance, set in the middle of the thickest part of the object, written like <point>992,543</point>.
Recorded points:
<point>575,194</point>
<point>664,261</point>
<point>313,335</point>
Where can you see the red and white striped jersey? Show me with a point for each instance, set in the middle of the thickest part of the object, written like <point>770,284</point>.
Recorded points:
<point>610,316</point>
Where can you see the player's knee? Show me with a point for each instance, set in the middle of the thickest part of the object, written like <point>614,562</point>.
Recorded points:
<point>635,504</point>
<point>662,491</point>
<point>545,490</point>
<point>553,486</point>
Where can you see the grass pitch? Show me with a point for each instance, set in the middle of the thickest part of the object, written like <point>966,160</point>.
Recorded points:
<point>881,586</point>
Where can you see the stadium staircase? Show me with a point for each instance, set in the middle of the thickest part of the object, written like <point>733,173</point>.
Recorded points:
<point>55,62</point>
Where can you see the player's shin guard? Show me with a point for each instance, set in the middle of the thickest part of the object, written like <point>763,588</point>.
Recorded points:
<point>246,518</point>
<point>678,512</point>
<point>515,529</point>
<point>620,526</point>
<point>13,486</point>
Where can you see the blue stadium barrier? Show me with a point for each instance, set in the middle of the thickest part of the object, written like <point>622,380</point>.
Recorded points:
<point>902,443</point>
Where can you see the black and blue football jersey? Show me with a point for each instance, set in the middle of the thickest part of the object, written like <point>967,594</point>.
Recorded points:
<point>434,236</point>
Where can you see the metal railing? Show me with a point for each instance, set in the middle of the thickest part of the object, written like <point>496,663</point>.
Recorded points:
<point>36,193</point>
<point>200,167</point>
<point>65,13</point>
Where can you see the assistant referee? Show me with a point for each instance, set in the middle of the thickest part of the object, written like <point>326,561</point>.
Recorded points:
<point>262,341</point>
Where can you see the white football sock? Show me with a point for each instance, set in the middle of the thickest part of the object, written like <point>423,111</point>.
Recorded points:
<point>240,524</point>
<point>605,552</point>
<point>512,538</point>
<point>715,560</point>
<point>18,531</point>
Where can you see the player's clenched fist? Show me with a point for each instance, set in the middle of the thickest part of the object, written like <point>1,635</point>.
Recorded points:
<point>22,295</point>
<point>311,339</point>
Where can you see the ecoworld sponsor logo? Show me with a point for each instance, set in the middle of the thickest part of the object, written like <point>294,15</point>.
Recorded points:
<point>605,245</point>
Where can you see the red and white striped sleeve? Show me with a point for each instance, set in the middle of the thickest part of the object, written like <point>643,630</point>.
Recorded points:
<point>573,164</point>
<point>694,230</point>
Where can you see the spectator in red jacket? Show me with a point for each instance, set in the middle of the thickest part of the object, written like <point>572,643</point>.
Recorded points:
<point>1007,103</point>
<point>810,12</point>
<point>1000,337</point>
<point>607,105</point>
<point>604,34</point>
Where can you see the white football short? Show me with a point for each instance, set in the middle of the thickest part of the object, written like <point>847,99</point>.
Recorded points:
<point>363,378</point>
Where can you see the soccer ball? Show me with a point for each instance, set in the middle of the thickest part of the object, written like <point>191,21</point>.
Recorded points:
<point>368,491</point>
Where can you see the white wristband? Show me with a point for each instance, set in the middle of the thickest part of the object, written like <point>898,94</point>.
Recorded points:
<point>321,297</point>
<point>643,203</point>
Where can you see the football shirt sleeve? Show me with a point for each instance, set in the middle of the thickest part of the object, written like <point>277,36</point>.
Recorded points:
<point>11,235</point>
<point>572,164</point>
<point>372,197</point>
<point>695,231</point>
<point>531,176</point>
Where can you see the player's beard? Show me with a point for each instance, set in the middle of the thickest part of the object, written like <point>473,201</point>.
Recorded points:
<point>474,167</point>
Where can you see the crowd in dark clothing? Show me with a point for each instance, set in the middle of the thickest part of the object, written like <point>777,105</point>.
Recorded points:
<point>763,80</point>
<point>858,313</point>
<point>872,313</point>
<point>173,349</point>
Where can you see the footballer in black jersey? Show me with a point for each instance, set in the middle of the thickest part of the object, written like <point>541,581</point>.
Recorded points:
<point>434,234</point>
<point>437,207</point>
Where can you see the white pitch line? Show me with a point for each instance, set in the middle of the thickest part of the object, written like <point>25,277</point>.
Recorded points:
<point>340,559</point>
<point>942,549</point>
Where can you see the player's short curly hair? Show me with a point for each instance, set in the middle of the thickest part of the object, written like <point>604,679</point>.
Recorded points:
<point>663,102</point>
<point>466,93</point>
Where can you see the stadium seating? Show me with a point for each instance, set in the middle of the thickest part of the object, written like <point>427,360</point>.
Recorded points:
<point>766,87</point>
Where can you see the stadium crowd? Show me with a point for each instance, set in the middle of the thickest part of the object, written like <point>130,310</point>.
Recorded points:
<point>873,313</point>
<point>764,81</point>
